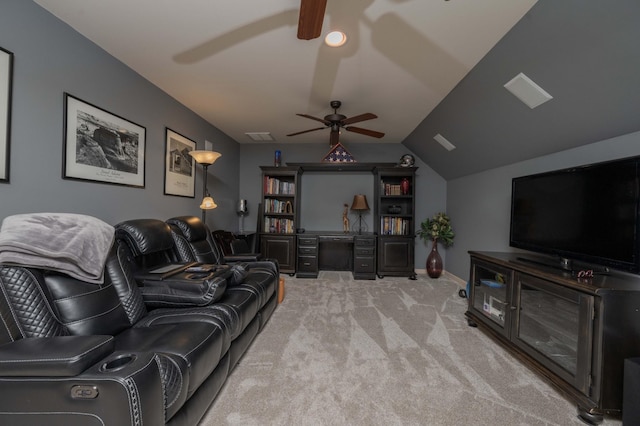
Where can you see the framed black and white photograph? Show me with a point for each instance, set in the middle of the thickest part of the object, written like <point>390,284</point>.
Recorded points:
<point>6,75</point>
<point>102,147</point>
<point>179,173</point>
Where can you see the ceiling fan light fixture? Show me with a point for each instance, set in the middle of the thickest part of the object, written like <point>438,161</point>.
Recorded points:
<point>335,39</point>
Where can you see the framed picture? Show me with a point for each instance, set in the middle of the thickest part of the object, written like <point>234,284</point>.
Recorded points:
<point>6,76</point>
<point>179,166</point>
<point>102,147</point>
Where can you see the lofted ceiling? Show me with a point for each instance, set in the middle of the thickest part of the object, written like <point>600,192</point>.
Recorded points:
<point>240,65</point>
<point>424,67</point>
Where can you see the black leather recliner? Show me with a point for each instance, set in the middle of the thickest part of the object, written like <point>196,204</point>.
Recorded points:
<point>194,242</point>
<point>80,353</point>
<point>250,297</point>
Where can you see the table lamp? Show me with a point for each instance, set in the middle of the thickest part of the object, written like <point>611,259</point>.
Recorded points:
<point>360,205</point>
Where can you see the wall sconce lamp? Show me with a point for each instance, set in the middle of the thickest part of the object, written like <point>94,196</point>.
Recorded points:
<point>205,159</point>
<point>360,205</point>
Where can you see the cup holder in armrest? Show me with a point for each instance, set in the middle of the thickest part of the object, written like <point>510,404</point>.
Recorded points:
<point>117,363</point>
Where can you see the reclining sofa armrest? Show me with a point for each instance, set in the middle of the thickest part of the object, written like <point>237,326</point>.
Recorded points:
<point>124,388</point>
<point>185,289</point>
<point>242,257</point>
<point>62,356</point>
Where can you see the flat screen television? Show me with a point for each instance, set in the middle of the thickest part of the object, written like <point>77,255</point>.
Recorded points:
<point>588,213</point>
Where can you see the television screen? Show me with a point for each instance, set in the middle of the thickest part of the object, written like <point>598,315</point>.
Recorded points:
<point>587,213</point>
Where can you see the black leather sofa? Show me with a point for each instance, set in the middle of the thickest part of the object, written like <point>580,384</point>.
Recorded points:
<point>134,350</point>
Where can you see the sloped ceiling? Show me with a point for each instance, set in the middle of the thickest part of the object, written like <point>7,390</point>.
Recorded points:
<point>240,66</point>
<point>425,67</point>
<point>585,54</point>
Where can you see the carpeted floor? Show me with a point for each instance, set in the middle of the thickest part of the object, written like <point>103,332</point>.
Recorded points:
<point>385,352</point>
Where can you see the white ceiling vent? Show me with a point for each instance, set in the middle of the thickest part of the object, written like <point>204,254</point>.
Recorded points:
<point>527,91</point>
<point>260,136</point>
<point>445,143</point>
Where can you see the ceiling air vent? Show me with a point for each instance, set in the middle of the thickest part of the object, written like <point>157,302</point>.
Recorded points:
<point>260,136</point>
<point>527,91</point>
<point>445,143</point>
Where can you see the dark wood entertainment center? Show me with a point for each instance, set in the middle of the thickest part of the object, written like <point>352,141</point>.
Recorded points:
<point>575,332</point>
<point>388,250</point>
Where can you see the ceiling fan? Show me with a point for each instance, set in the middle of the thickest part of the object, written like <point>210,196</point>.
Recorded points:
<point>337,121</point>
<point>310,19</point>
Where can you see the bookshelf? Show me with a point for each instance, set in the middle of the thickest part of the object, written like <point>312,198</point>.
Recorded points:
<point>280,215</point>
<point>395,220</point>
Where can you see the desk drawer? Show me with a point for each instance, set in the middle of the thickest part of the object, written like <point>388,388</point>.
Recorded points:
<point>302,250</point>
<point>308,241</point>
<point>364,242</point>
<point>307,264</point>
<point>364,251</point>
<point>364,264</point>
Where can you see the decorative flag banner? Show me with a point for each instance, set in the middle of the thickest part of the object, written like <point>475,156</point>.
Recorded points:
<point>338,154</point>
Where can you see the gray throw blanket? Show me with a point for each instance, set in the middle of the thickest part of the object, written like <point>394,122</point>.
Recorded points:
<point>74,244</point>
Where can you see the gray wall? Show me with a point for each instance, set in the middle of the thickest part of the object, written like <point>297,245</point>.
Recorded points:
<point>50,58</point>
<point>479,204</point>
<point>431,188</point>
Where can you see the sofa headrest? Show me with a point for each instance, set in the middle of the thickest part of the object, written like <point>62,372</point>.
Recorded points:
<point>145,236</point>
<point>192,228</point>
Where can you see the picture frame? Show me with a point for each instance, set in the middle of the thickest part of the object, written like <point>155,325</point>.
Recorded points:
<point>6,87</point>
<point>100,146</point>
<point>179,170</point>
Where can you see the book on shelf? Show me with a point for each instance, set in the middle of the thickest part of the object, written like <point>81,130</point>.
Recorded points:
<point>391,225</point>
<point>275,186</point>
<point>277,206</point>
<point>390,188</point>
<point>278,226</point>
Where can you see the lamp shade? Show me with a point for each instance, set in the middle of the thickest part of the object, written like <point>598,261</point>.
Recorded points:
<point>359,202</point>
<point>205,157</point>
<point>208,203</point>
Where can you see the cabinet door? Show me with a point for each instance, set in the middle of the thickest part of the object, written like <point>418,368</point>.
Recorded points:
<point>283,249</point>
<point>395,256</point>
<point>554,324</point>
<point>491,295</point>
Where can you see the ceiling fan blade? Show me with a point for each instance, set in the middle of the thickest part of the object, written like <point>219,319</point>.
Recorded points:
<point>358,118</point>
<point>306,131</point>
<point>311,17</point>
<point>322,120</point>
<point>366,132</point>
<point>334,138</point>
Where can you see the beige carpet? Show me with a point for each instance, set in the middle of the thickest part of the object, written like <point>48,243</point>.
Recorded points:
<point>385,352</point>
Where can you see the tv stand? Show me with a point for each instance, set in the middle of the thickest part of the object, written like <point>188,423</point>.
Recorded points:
<point>564,264</point>
<point>516,300</point>
<point>548,264</point>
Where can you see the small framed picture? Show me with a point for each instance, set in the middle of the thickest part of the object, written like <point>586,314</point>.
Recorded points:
<point>179,167</point>
<point>6,75</point>
<point>102,147</point>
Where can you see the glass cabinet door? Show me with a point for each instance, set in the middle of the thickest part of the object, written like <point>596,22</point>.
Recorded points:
<point>490,295</point>
<point>554,324</point>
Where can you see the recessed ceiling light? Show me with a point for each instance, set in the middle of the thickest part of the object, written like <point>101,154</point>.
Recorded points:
<point>335,39</point>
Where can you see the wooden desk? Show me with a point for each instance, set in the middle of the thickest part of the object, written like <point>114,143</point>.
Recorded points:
<point>336,251</point>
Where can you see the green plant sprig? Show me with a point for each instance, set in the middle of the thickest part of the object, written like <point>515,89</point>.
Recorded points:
<point>438,228</point>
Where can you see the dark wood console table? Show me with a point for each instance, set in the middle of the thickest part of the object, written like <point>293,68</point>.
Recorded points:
<point>575,332</point>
